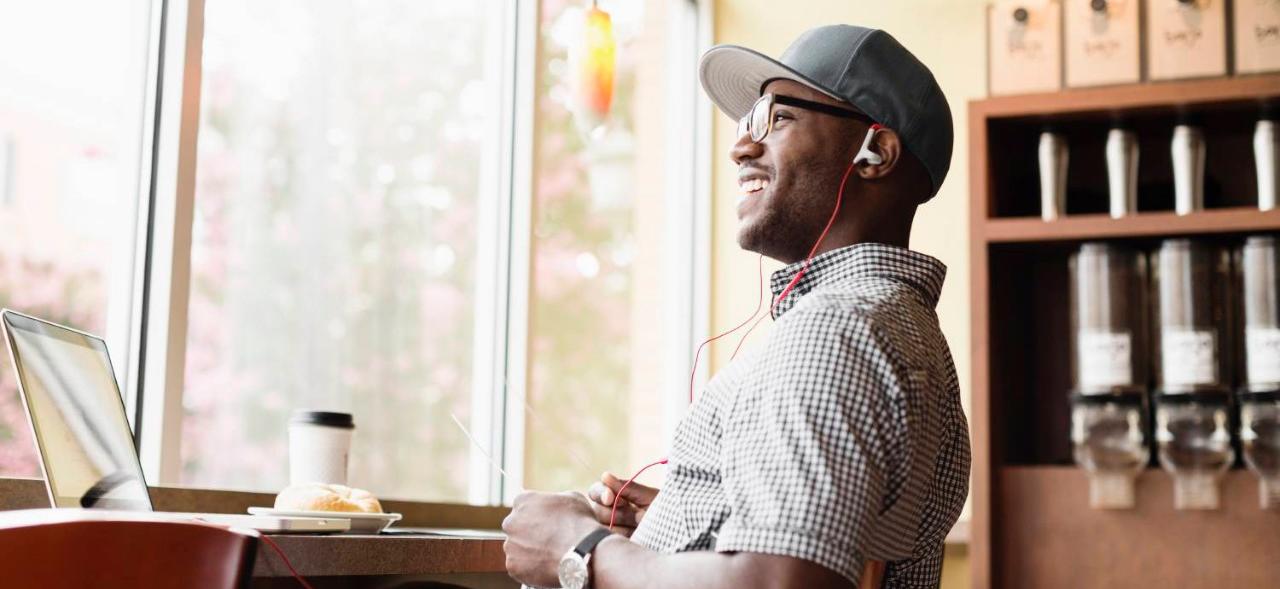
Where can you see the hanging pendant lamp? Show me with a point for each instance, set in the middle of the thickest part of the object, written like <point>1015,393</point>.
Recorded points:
<point>593,61</point>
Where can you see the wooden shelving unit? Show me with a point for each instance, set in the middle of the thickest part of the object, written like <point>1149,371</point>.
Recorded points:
<point>1032,525</point>
<point>1135,97</point>
<point>1156,224</point>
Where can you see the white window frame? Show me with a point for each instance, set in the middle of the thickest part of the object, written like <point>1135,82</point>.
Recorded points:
<point>688,193</point>
<point>157,341</point>
<point>504,257</point>
<point>161,336</point>
<point>128,268</point>
<point>510,395</point>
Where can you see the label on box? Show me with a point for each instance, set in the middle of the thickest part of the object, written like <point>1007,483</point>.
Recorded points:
<point>1025,46</point>
<point>1186,39</point>
<point>1106,360</point>
<point>1188,357</point>
<point>1257,36</point>
<point>1262,352</point>
<point>1101,45</point>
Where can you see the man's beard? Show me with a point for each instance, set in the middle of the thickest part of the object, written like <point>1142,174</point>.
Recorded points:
<point>789,222</point>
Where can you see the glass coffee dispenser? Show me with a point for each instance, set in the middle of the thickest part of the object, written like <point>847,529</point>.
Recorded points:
<point>1108,404</point>
<point>1192,400</point>
<point>1259,267</point>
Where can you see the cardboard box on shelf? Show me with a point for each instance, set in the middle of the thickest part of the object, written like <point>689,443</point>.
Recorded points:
<point>1101,44</point>
<point>1186,39</point>
<point>1257,36</point>
<point>1024,46</point>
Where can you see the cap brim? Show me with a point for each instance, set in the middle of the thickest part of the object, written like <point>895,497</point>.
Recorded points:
<point>733,77</point>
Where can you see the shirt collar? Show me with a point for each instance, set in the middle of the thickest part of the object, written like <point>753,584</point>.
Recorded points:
<point>864,260</point>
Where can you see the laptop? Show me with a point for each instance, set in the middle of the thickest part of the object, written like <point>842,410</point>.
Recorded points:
<point>86,447</point>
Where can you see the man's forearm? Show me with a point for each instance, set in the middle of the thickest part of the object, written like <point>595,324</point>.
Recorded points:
<point>619,563</point>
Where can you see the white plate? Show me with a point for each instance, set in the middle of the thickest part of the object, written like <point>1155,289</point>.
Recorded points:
<point>361,523</point>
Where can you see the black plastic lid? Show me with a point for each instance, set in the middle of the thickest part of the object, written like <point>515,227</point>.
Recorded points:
<point>1201,397</point>
<point>325,418</point>
<point>1123,398</point>
<point>1246,395</point>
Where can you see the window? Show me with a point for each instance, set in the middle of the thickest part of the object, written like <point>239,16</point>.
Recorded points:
<point>380,207</point>
<point>71,130</point>
<point>345,149</point>
<point>598,367</point>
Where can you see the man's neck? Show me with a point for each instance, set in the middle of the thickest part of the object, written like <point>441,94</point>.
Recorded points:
<point>890,229</point>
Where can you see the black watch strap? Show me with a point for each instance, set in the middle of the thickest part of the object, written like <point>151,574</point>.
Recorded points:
<point>589,543</point>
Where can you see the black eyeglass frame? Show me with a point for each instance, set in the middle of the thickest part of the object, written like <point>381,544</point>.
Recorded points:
<point>745,126</point>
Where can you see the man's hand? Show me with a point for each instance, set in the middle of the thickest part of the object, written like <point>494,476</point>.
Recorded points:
<point>631,506</point>
<point>540,529</point>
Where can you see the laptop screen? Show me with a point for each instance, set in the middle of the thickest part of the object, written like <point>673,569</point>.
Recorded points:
<point>78,416</point>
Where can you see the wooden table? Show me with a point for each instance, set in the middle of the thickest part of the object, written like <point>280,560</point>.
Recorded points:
<point>383,561</point>
<point>345,560</point>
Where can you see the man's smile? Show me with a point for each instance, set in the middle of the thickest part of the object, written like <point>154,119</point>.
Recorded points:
<point>751,185</point>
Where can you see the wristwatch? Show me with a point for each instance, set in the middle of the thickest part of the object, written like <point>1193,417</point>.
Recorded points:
<point>574,571</point>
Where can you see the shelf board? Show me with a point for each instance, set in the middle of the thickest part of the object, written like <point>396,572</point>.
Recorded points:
<point>1087,227</point>
<point>1050,538</point>
<point>1151,95</point>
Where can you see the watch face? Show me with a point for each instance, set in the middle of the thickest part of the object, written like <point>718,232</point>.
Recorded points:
<point>573,571</point>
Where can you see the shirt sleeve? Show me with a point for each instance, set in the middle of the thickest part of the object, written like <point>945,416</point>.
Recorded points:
<point>807,459</point>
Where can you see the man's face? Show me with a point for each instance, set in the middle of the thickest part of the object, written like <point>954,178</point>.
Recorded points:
<point>788,182</point>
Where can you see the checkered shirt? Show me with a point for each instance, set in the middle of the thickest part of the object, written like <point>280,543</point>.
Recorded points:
<point>840,439</point>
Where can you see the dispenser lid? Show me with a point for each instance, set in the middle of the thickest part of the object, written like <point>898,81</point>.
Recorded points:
<point>1267,396</point>
<point>1212,397</point>
<point>1134,397</point>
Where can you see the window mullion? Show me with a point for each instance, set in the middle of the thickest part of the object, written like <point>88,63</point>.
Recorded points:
<point>698,34</point>
<point>163,340</point>
<point>131,361</point>
<point>519,192</point>
<point>493,219</point>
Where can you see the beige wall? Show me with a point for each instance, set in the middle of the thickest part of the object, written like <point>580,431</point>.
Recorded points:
<point>948,36</point>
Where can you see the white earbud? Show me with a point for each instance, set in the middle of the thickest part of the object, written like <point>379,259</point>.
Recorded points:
<point>865,154</point>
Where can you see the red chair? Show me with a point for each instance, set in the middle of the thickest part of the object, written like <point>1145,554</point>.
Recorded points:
<point>55,549</point>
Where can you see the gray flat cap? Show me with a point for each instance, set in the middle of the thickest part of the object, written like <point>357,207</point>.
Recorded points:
<point>866,68</point>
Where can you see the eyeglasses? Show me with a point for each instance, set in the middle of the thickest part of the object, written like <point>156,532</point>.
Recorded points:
<point>759,121</point>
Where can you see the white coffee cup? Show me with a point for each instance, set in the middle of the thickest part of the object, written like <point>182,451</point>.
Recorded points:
<point>319,447</point>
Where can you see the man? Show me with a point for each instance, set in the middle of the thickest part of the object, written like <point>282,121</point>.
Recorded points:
<point>840,442</point>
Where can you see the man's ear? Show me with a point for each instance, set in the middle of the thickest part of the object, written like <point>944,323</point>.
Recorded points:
<point>888,145</point>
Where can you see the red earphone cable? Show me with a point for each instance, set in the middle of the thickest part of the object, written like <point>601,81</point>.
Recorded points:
<point>808,259</point>
<point>698,354</point>
<point>613,513</point>
<point>272,544</point>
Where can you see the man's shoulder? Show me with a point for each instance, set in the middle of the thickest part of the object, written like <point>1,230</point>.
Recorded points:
<point>883,318</point>
<point>860,305</point>
<point>823,327</point>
